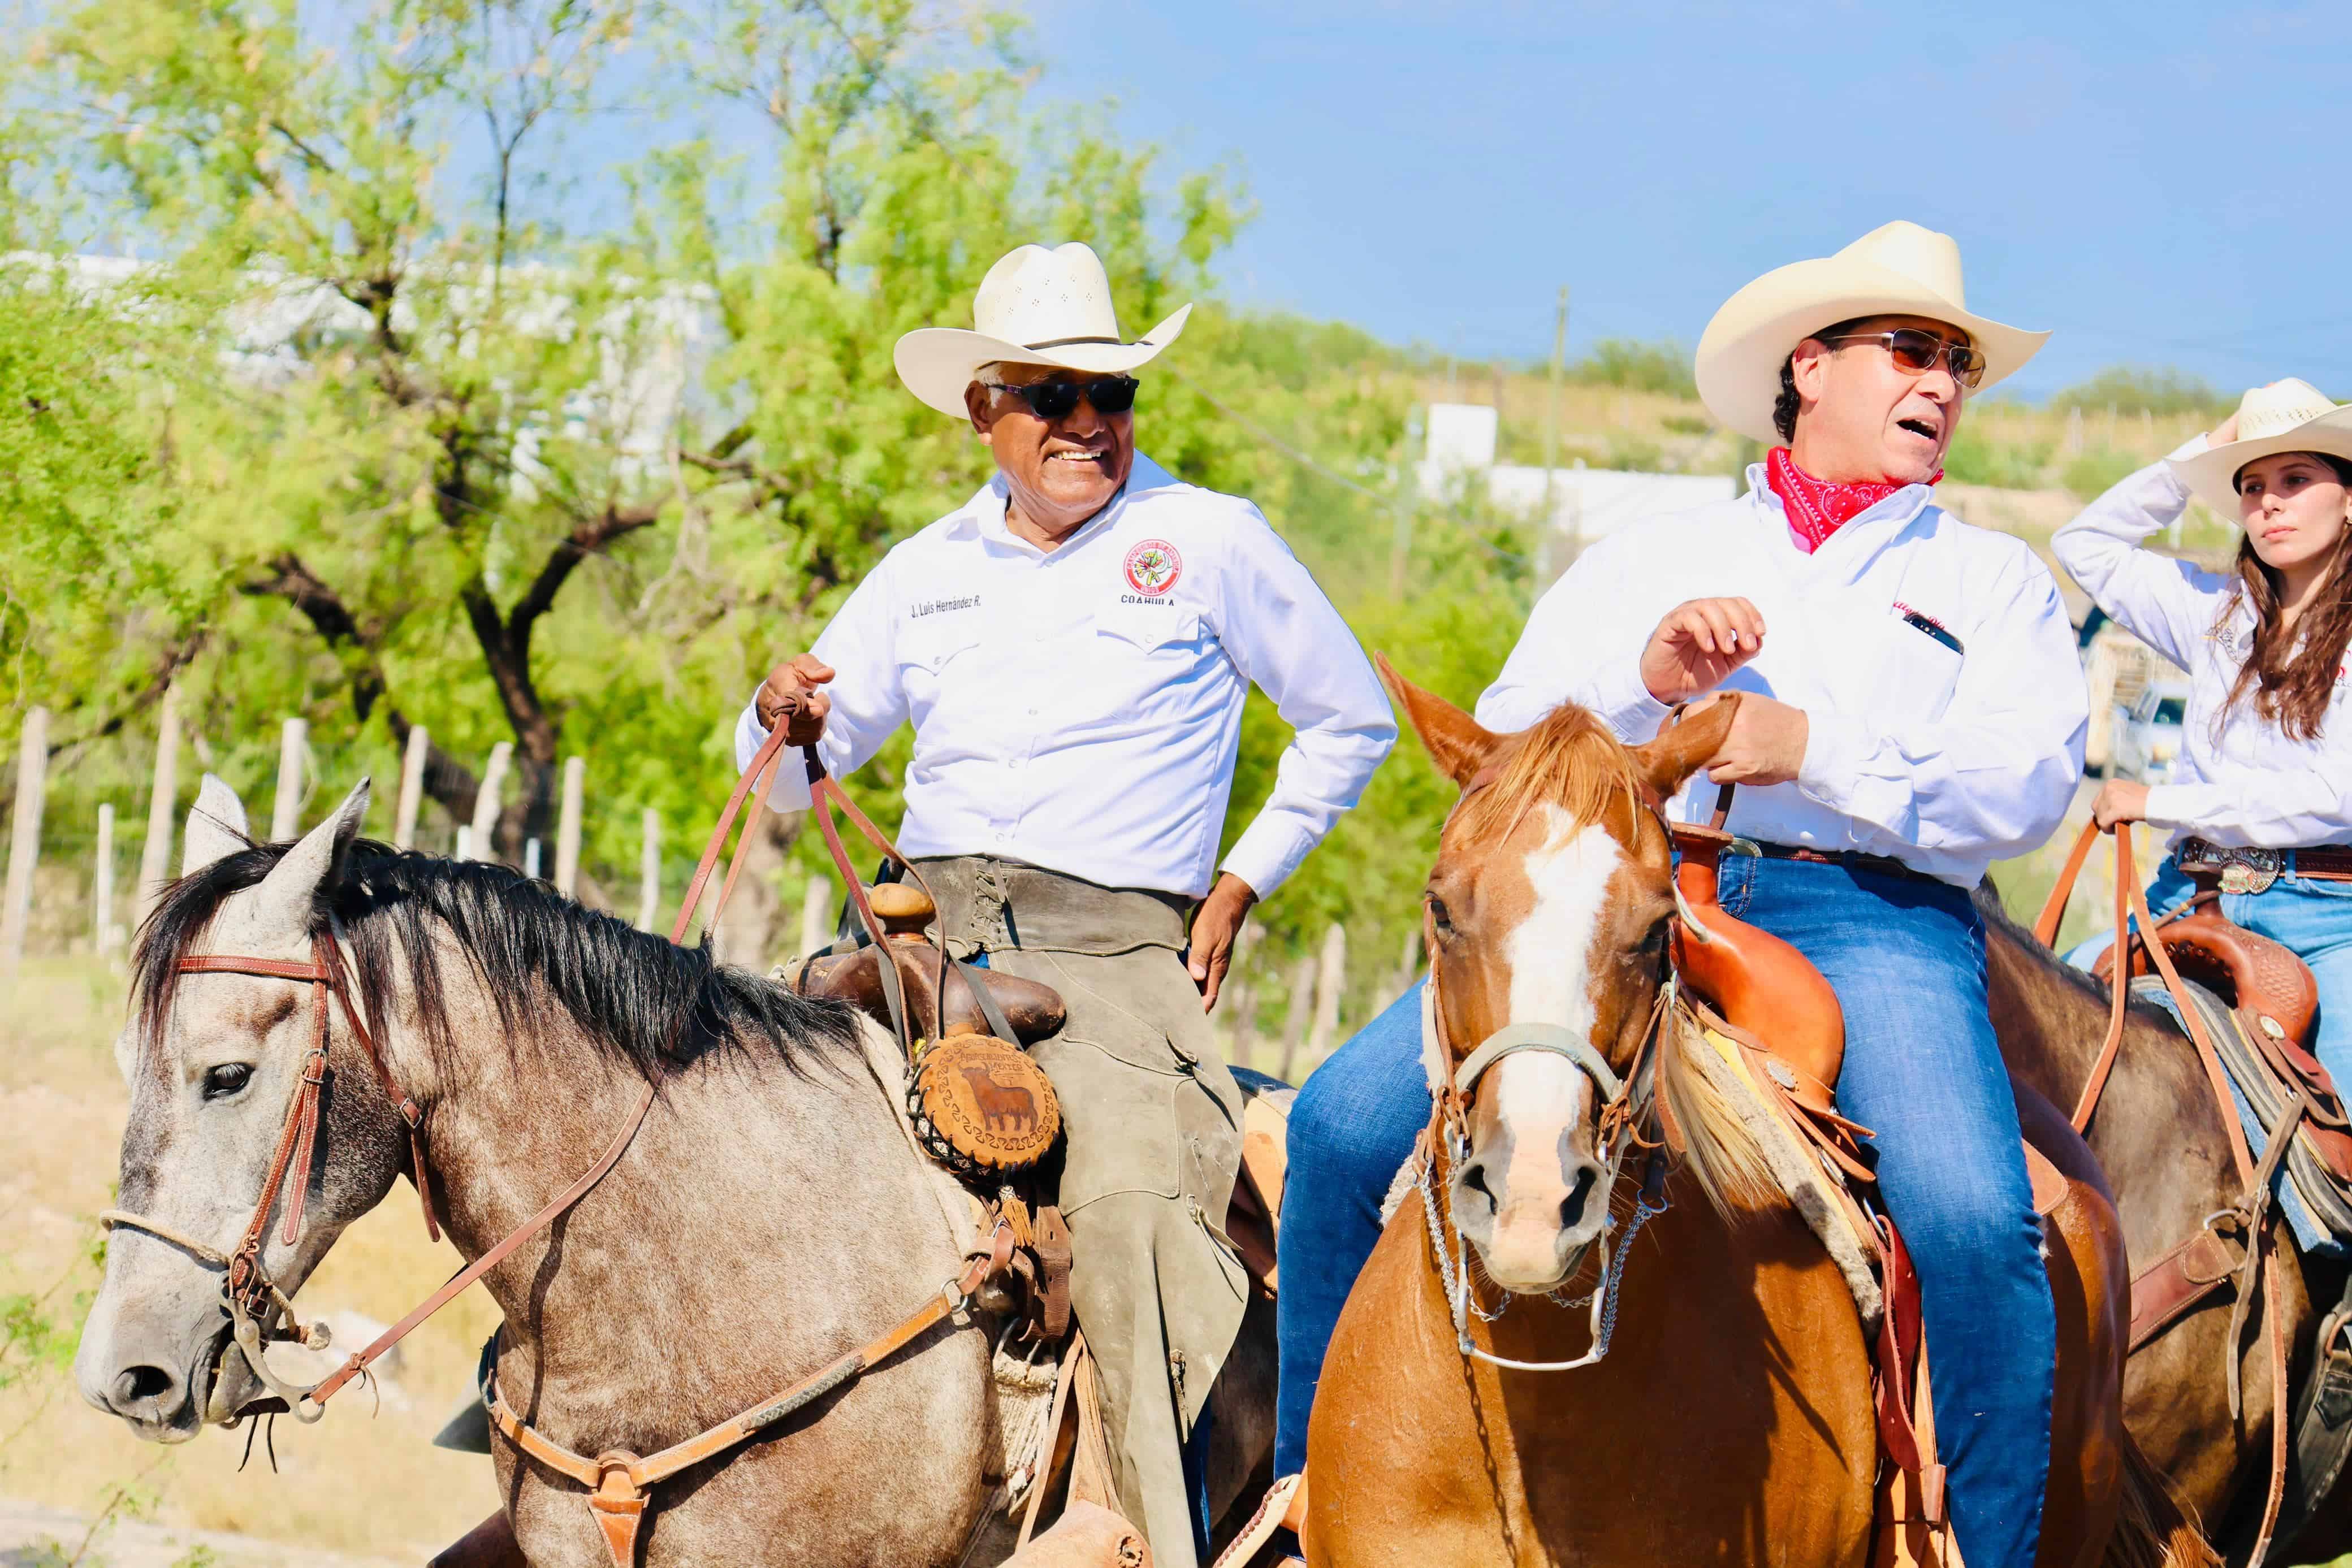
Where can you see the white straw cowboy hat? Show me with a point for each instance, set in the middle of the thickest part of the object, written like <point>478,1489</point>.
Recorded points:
<point>2284,416</point>
<point>1899,269</point>
<point>1035,307</point>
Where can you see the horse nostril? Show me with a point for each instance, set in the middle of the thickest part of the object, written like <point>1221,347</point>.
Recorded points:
<point>1571,1207</point>
<point>138,1385</point>
<point>1473,1176</point>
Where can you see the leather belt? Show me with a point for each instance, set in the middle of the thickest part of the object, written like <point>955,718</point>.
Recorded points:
<point>1852,859</point>
<point>2249,870</point>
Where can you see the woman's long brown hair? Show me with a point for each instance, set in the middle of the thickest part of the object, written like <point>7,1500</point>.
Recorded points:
<point>2291,670</point>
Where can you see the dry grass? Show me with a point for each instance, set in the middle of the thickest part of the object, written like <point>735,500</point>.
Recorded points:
<point>350,1484</point>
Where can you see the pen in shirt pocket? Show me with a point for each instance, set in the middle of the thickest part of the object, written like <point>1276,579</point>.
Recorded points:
<point>1929,626</point>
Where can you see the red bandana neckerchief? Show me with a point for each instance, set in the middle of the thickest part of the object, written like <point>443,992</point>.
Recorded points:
<point>1816,508</point>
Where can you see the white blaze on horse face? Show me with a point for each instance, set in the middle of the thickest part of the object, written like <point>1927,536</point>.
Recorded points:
<point>1537,1160</point>
<point>1550,952</point>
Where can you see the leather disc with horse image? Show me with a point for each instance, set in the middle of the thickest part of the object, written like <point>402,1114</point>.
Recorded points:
<point>981,1106</point>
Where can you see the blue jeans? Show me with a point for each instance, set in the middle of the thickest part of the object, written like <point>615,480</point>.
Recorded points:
<point>1922,1069</point>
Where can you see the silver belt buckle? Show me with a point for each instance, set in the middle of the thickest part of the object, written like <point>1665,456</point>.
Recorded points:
<point>2249,870</point>
<point>1744,847</point>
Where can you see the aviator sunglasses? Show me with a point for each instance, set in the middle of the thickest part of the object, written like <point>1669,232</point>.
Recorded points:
<point>1917,351</point>
<point>1055,399</point>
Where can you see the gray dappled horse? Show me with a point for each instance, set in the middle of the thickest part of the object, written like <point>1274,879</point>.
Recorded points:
<point>769,1214</point>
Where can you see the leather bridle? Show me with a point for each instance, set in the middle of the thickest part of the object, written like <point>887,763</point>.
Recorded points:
<point>1622,1100</point>
<point>259,1312</point>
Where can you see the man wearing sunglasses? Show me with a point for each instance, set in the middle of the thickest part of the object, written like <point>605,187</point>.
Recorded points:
<point>1911,711</point>
<point>1073,645</point>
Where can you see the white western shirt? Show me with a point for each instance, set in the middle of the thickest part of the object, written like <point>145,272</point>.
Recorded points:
<point>1079,708</point>
<point>2241,782</point>
<point>1933,660</point>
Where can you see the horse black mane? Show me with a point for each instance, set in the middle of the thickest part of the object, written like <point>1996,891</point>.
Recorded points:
<point>647,1003</point>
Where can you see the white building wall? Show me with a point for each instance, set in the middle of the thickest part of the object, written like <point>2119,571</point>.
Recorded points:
<point>1586,503</point>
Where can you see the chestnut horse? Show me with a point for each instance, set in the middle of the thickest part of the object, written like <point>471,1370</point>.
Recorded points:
<point>1732,1420</point>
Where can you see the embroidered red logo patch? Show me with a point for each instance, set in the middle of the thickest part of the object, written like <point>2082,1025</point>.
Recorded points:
<point>1153,567</point>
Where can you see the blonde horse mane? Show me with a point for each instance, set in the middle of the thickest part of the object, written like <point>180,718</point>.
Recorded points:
<point>1719,1144</point>
<point>1570,759</point>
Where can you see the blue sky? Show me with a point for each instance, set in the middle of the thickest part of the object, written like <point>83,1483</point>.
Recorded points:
<point>2160,183</point>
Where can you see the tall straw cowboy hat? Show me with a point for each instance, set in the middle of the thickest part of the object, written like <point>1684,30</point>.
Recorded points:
<point>1898,269</point>
<point>1035,307</point>
<point>2284,416</point>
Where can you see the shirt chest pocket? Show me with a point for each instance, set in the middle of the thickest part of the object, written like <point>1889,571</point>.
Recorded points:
<point>1912,673</point>
<point>934,660</point>
<point>1141,653</point>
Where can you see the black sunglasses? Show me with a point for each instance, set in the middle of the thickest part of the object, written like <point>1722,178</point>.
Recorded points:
<point>1055,399</point>
<point>1918,352</point>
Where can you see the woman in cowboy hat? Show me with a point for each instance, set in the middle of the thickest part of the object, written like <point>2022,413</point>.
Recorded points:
<point>1072,646</point>
<point>1911,711</point>
<point>2261,798</point>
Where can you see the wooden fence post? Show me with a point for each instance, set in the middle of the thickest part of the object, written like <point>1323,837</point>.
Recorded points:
<point>816,916</point>
<point>1408,964</point>
<point>1330,982</point>
<point>567,827</point>
<point>412,789</point>
<point>649,872</point>
<point>25,838</point>
<point>1294,1026</point>
<point>285,811</point>
<point>162,803</point>
<point>101,890</point>
<point>486,803</point>
<point>1241,1002</point>
<point>1237,998</point>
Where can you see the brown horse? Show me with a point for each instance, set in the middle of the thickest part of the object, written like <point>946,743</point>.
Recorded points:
<point>2160,1136</point>
<point>1732,1419</point>
<point>771,1213</point>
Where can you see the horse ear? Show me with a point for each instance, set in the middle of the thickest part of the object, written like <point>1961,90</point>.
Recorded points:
<point>285,897</point>
<point>217,827</point>
<point>1458,744</point>
<point>1681,750</point>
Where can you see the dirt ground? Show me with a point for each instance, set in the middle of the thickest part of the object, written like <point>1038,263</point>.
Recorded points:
<point>355,1484</point>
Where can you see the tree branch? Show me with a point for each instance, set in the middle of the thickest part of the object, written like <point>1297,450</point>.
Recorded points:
<point>593,536</point>
<point>295,584</point>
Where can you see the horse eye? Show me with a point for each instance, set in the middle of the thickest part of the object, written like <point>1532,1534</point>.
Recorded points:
<point>229,1078</point>
<point>1439,916</point>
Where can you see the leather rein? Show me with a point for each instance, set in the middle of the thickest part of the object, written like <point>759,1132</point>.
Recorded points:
<point>2135,925</point>
<point>260,1312</point>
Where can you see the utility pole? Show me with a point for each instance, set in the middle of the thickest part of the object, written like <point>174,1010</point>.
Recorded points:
<point>1552,444</point>
<point>1408,479</point>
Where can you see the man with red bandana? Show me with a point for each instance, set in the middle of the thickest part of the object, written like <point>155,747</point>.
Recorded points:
<point>1911,711</point>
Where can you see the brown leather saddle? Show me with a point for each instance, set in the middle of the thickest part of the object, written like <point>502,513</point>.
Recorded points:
<point>2244,969</point>
<point>2276,999</point>
<point>1024,1012</point>
<point>987,1002</point>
